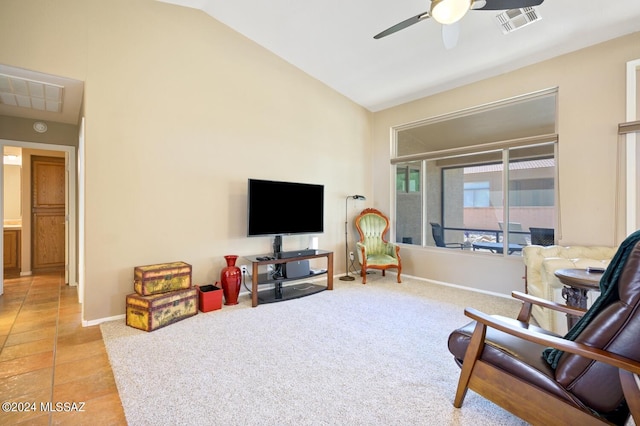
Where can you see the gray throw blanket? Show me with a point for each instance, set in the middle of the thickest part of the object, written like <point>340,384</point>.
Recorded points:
<point>608,295</point>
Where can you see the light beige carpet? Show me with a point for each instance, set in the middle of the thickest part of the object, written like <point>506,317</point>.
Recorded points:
<point>373,354</point>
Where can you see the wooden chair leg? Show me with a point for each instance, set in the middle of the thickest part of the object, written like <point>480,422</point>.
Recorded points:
<point>631,393</point>
<point>470,357</point>
<point>399,281</point>
<point>363,274</point>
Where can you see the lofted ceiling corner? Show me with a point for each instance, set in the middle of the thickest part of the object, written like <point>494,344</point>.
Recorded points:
<point>333,40</point>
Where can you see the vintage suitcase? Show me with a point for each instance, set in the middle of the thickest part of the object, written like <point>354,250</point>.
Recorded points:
<point>149,313</point>
<point>161,278</point>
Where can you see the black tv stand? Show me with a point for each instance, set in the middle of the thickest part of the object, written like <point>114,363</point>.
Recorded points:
<point>280,292</point>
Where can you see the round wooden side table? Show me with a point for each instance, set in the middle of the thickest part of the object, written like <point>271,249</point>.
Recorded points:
<point>577,282</point>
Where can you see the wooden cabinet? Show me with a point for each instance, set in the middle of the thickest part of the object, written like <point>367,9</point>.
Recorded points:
<point>11,252</point>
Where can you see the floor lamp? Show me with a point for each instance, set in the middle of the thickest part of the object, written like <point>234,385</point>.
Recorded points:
<point>348,277</point>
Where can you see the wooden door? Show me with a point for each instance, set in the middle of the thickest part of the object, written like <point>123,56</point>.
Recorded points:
<point>48,213</point>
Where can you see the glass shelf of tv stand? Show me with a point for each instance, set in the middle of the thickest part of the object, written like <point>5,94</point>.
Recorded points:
<point>280,292</point>
<point>272,277</point>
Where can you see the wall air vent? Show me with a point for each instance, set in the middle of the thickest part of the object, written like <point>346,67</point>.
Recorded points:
<point>513,19</point>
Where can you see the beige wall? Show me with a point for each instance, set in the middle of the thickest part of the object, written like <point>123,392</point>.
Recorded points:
<point>591,103</point>
<point>180,111</point>
<point>12,194</point>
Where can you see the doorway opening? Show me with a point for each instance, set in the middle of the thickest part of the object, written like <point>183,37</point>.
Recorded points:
<point>24,223</point>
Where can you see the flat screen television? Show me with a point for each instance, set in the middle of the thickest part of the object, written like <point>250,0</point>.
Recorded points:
<point>284,208</point>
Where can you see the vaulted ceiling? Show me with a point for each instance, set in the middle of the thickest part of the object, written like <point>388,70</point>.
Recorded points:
<point>332,40</point>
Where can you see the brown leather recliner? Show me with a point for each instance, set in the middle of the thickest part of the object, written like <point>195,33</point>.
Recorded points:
<point>593,382</point>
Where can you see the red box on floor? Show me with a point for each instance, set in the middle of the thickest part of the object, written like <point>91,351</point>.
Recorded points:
<point>209,298</point>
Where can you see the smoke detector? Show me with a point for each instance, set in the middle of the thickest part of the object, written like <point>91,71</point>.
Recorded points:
<point>514,19</point>
<point>40,126</point>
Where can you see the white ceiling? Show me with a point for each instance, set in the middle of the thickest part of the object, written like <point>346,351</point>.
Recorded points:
<point>332,40</point>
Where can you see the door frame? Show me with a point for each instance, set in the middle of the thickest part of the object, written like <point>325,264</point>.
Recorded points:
<point>71,240</point>
<point>632,152</point>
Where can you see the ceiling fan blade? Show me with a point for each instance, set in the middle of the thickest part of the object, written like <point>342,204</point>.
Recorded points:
<point>402,25</point>
<point>507,4</point>
<point>450,35</point>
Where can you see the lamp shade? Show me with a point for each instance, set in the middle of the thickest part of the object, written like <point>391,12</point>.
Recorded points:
<point>449,11</point>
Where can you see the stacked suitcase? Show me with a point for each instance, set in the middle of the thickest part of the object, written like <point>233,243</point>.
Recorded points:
<point>163,295</point>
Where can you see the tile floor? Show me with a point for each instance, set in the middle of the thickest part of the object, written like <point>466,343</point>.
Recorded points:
<point>47,358</point>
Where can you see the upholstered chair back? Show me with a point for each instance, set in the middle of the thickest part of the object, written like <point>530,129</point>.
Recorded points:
<point>372,226</point>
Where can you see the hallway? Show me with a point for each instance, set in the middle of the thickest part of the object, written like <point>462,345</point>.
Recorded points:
<point>52,370</point>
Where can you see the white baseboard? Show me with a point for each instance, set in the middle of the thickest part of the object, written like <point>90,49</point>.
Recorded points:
<point>462,287</point>
<point>101,320</point>
<point>244,292</point>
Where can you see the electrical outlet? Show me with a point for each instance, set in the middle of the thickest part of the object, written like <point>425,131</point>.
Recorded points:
<point>351,256</point>
<point>244,269</point>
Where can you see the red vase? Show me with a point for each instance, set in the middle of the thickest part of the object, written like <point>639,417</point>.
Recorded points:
<point>231,278</point>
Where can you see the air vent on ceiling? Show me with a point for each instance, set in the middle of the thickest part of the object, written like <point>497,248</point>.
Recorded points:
<point>513,19</point>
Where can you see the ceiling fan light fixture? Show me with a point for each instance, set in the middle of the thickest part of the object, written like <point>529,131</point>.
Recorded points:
<point>449,11</point>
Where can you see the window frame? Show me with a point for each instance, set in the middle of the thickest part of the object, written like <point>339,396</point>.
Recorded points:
<point>501,146</point>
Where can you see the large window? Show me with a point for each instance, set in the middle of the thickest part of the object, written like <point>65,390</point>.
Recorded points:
<point>409,226</point>
<point>472,190</point>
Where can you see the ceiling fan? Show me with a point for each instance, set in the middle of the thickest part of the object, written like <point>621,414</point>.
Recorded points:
<point>449,13</point>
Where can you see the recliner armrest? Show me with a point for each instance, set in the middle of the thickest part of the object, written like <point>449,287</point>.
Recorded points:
<point>483,320</point>
<point>529,300</point>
